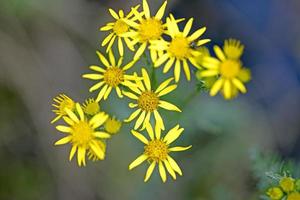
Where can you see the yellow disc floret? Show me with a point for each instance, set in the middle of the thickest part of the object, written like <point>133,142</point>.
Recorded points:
<point>120,27</point>
<point>82,133</point>
<point>230,68</point>
<point>148,101</point>
<point>287,184</point>
<point>179,47</point>
<point>114,76</point>
<point>150,29</point>
<point>275,193</point>
<point>156,150</point>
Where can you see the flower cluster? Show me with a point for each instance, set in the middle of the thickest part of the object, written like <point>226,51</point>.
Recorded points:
<point>287,188</point>
<point>162,43</point>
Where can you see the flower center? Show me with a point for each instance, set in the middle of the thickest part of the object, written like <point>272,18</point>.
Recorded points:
<point>156,150</point>
<point>120,27</point>
<point>82,133</point>
<point>112,125</point>
<point>92,108</point>
<point>66,103</point>
<point>179,47</point>
<point>114,76</point>
<point>230,68</point>
<point>148,101</point>
<point>150,29</point>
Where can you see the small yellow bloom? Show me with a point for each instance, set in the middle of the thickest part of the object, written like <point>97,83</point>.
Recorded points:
<point>82,133</point>
<point>148,28</point>
<point>91,107</point>
<point>228,68</point>
<point>62,102</point>
<point>112,125</point>
<point>180,49</point>
<point>111,77</point>
<point>92,155</point>
<point>157,150</point>
<point>287,184</point>
<point>117,29</point>
<point>148,101</point>
<point>294,196</point>
<point>275,193</point>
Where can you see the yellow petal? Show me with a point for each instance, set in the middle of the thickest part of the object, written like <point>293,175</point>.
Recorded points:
<point>146,79</point>
<point>101,93</point>
<point>169,65</point>
<point>150,131</point>
<point>96,86</point>
<point>129,65</point>
<point>107,39</point>
<point>72,152</point>
<point>103,59</point>
<point>162,171</point>
<point>157,131</point>
<point>97,68</point>
<point>93,76</point>
<point>64,140</point>
<point>64,129</point>
<point>227,89</point>
<point>197,34</point>
<point>107,92</point>
<point>98,120</point>
<point>161,60</point>
<point>163,85</point>
<point>111,57</point>
<point>80,111</point>
<point>186,70</point>
<point>138,161</point>
<point>146,9</point>
<point>167,90</point>
<point>72,115</point>
<point>140,51</point>
<point>113,13</point>
<point>81,156</point>
<point>216,87</point>
<point>188,27</point>
<point>101,134</point>
<point>120,47</point>
<point>140,120</point>
<point>149,171</point>
<point>168,106</point>
<point>97,150</point>
<point>208,73</point>
<point>68,121</point>
<point>119,92</point>
<point>173,134</point>
<point>219,53</point>
<point>161,11</point>
<point>169,169</point>
<point>159,120</point>
<point>239,85</point>
<point>177,70</point>
<point>180,148</point>
<point>174,165</point>
<point>139,136</point>
<point>133,115</point>
<point>204,41</point>
<point>130,95</point>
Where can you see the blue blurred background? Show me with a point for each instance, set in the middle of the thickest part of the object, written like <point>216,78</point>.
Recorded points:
<point>46,45</point>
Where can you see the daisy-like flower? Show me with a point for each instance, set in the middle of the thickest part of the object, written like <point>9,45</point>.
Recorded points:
<point>228,68</point>
<point>148,28</point>
<point>117,29</point>
<point>181,48</point>
<point>91,107</point>
<point>62,102</point>
<point>147,101</point>
<point>82,133</point>
<point>112,125</point>
<point>157,150</point>
<point>110,77</point>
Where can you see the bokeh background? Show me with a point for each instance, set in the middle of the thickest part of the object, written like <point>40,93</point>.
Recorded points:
<point>45,47</point>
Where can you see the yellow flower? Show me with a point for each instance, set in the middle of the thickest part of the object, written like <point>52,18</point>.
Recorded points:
<point>92,155</point>
<point>294,196</point>
<point>148,101</point>
<point>147,29</point>
<point>91,107</point>
<point>275,193</point>
<point>62,102</point>
<point>118,28</point>
<point>228,68</point>
<point>112,125</point>
<point>180,49</point>
<point>110,77</point>
<point>287,184</point>
<point>82,134</point>
<point>157,151</point>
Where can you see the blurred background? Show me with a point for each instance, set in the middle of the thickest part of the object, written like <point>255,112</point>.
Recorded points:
<point>45,47</point>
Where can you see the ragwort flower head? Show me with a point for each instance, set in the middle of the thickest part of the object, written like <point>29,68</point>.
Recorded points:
<point>147,28</point>
<point>82,133</point>
<point>228,68</point>
<point>112,125</point>
<point>147,101</point>
<point>180,50</point>
<point>157,151</point>
<point>111,76</point>
<point>117,30</point>
<point>91,107</point>
<point>62,102</point>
